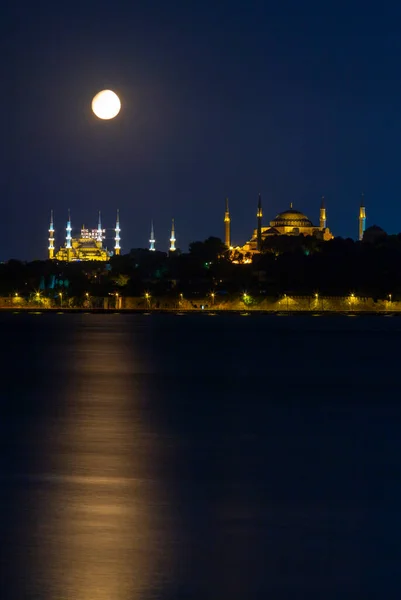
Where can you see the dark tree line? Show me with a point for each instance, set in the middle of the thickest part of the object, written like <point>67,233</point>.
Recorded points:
<point>288,264</point>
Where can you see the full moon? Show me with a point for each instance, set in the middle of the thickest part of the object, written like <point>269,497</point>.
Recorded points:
<point>106,105</point>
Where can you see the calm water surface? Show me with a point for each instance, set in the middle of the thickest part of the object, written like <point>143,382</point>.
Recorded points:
<point>198,457</point>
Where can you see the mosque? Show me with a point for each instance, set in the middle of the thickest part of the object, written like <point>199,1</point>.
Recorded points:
<point>88,246</point>
<point>289,222</point>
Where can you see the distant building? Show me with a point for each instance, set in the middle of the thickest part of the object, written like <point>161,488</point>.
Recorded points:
<point>290,222</point>
<point>88,246</point>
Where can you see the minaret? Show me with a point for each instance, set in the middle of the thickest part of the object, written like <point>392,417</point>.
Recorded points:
<point>172,238</point>
<point>259,232</point>
<point>152,240</point>
<point>227,226</point>
<point>323,214</point>
<point>362,219</point>
<point>68,237</point>
<point>117,248</point>
<point>99,235</point>
<point>51,237</point>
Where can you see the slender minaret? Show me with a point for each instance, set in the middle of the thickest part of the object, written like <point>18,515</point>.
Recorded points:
<point>323,214</point>
<point>68,237</point>
<point>259,231</point>
<point>362,218</point>
<point>172,238</point>
<point>152,240</point>
<point>99,235</point>
<point>51,236</point>
<point>227,226</point>
<point>117,248</point>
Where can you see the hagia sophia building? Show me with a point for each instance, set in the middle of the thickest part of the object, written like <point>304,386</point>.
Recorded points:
<point>290,222</point>
<point>88,246</point>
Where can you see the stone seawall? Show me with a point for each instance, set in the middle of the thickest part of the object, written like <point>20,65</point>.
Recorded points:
<point>285,304</point>
<point>246,303</point>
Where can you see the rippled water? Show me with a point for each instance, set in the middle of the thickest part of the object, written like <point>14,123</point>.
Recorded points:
<point>179,457</point>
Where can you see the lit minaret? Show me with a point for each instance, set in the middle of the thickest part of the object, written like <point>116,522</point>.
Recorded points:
<point>172,238</point>
<point>51,236</point>
<point>259,231</point>
<point>99,235</point>
<point>323,214</point>
<point>117,238</point>
<point>68,237</point>
<point>152,240</point>
<point>227,226</point>
<point>362,219</point>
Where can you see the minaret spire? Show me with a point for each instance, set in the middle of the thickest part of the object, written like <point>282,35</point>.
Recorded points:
<point>68,237</point>
<point>259,231</point>
<point>152,240</point>
<point>227,226</point>
<point>323,219</point>
<point>362,218</point>
<point>117,239</point>
<point>51,236</point>
<point>99,235</point>
<point>172,237</point>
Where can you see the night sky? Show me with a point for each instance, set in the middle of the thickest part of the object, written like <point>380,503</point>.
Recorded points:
<point>291,99</point>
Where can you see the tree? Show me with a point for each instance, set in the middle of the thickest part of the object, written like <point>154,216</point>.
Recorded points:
<point>209,251</point>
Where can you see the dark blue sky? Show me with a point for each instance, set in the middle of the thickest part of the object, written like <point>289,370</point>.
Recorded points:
<point>292,99</point>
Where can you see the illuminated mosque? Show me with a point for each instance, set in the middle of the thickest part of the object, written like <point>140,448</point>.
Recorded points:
<point>290,222</point>
<point>88,246</point>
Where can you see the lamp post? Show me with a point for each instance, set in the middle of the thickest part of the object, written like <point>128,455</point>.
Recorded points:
<point>61,299</point>
<point>212,297</point>
<point>147,296</point>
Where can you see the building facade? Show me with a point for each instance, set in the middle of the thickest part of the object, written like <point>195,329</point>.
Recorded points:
<point>87,246</point>
<point>289,222</point>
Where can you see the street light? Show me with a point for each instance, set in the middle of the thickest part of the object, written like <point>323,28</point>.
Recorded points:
<point>61,298</point>
<point>212,297</point>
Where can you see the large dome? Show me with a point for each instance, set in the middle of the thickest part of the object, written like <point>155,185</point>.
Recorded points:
<point>291,218</point>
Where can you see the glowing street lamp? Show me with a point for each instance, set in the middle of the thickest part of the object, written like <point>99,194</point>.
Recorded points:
<point>61,298</point>
<point>212,295</point>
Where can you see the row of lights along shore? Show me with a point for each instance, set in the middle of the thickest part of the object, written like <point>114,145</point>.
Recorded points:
<point>245,297</point>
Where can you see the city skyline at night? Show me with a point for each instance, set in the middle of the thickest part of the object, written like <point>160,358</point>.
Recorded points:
<point>216,102</point>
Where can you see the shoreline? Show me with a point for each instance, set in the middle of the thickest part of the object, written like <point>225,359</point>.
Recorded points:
<point>206,311</point>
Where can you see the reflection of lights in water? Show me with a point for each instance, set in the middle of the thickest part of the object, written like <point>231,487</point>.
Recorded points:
<point>103,534</point>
